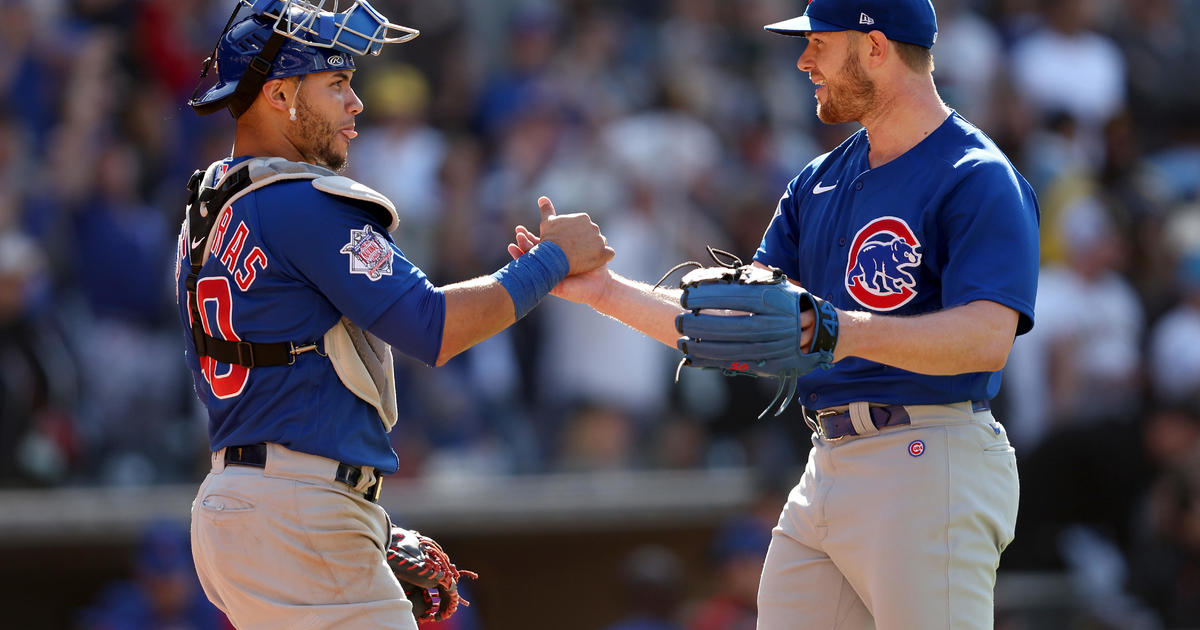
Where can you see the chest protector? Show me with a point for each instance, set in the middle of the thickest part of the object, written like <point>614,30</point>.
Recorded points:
<point>362,361</point>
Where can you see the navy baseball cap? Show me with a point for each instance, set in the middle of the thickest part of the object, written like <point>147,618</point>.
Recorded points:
<point>909,21</point>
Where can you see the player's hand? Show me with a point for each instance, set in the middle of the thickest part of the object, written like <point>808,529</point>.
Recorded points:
<point>585,288</point>
<point>807,320</point>
<point>577,235</point>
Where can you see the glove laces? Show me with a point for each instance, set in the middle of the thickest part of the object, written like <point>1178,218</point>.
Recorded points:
<point>450,573</point>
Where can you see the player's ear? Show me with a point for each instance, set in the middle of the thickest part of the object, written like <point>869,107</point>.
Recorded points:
<point>276,95</point>
<point>876,48</point>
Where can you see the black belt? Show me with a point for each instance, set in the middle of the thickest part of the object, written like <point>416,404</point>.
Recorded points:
<point>256,455</point>
<point>835,424</point>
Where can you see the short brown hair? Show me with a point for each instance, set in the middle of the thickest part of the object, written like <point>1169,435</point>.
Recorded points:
<point>917,58</point>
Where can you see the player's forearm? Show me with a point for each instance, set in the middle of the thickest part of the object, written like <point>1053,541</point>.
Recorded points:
<point>636,304</point>
<point>975,337</point>
<point>475,310</point>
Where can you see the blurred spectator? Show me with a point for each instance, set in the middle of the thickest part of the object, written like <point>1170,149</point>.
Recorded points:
<point>27,66</point>
<point>122,259</point>
<point>1059,165</point>
<point>591,72</point>
<point>163,593</point>
<point>15,166</point>
<point>1074,81</point>
<point>1082,361</point>
<point>667,146</point>
<point>1132,191</point>
<point>518,83</point>
<point>1161,41</point>
<point>161,33</point>
<point>1068,66</point>
<point>1166,561</point>
<point>39,375</point>
<point>1172,432</point>
<point>596,437</point>
<point>1175,371</point>
<point>969,59</point>
<point>1098,573</point>
<point>739,551</point>
<point>652,585</point>
<point>401,155</point>
<point>123,247</point>
<point>641,234</point>
<point>1075,389</point>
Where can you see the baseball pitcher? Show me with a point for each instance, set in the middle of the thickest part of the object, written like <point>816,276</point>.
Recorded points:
<point>885,295</point>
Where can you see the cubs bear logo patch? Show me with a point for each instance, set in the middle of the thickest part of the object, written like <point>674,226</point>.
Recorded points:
<point>370,253</point>
<point>877,271</point>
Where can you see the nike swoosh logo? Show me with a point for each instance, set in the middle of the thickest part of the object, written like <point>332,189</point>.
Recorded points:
<point>819,189</point>
<point>197,243</point>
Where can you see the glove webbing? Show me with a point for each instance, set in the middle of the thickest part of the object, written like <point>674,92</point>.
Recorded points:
<point>439,557</point>
<point>731,262</point>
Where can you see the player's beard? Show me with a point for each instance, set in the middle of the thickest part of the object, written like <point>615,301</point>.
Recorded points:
<point>320,136</point>
<point>850,97</point>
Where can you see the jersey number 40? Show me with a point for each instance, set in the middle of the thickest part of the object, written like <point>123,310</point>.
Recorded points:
<point>218,291</point>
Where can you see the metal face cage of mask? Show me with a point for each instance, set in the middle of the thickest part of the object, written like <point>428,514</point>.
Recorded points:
<point>359,29</point>
<point>288,38</point>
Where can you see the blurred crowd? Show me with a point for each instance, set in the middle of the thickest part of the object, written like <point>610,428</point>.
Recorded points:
<point>676,124</point>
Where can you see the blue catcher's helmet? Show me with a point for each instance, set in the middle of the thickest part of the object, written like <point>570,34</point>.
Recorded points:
<point>286,38</point>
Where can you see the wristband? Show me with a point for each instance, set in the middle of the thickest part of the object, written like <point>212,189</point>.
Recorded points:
<point>530,278</point>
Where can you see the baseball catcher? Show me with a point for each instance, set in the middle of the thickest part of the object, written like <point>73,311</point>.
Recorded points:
<point>762,331</point>
<point>292,296</point>
<point>429,579</point>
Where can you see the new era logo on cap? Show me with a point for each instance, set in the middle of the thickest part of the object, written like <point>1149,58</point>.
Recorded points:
<point>909,21</point>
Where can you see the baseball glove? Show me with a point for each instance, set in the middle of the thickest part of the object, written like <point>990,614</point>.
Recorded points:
<point>429,579</point>
<point>763,339</point>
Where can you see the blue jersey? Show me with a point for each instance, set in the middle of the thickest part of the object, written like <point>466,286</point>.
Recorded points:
<point>949,222</point>
<point>287,262</point>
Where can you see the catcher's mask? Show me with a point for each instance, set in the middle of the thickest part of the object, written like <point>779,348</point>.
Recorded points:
<point>286,38</point>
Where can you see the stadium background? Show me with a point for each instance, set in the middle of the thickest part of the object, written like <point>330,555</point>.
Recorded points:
<point>559,459</point>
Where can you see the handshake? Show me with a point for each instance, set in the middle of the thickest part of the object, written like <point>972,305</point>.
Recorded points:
<point>740,319</point>
<point>580,239</point>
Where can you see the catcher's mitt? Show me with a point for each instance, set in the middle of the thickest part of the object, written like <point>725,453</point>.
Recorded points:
<point>429,579</point>
<point>764,339</point>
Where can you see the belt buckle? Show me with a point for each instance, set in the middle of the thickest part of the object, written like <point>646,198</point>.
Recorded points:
<point>821,432</point>
<point>372,493</point>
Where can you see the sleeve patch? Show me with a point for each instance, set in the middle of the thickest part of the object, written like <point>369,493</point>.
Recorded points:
<point>370,253</point>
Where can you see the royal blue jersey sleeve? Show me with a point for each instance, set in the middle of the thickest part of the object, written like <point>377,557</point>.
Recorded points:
<point>778,247</point>
<point>396,326</point>
<point>991,223</point>
<point>340,247</point>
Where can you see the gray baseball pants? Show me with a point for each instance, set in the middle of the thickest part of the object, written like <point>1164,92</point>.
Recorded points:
<point>897,529</point>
